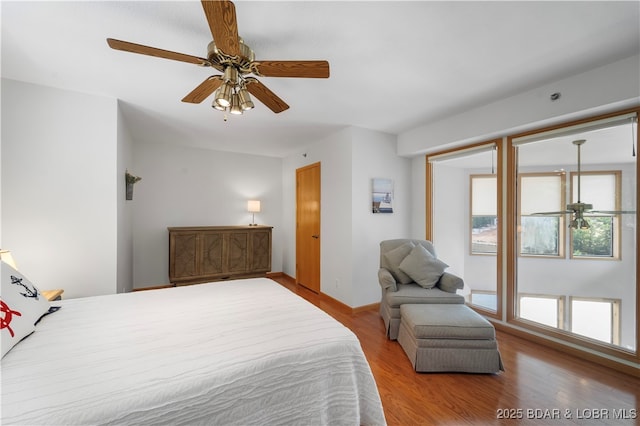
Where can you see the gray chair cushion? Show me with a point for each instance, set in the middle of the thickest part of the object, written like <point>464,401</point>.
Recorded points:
<point>446,322</point>
<point>414,294</point>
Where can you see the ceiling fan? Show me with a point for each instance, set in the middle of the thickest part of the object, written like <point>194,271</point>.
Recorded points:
<point>229,54</point>
<point>579,209</point>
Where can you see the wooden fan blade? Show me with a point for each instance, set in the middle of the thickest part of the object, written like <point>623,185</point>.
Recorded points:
<point>152,51</point>
<point>266,96</point>
<point>306,69</point>
<point>203,90</point>
<point>221,16</point>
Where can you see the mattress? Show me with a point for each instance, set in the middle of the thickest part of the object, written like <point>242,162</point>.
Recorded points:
<point>243,352</point>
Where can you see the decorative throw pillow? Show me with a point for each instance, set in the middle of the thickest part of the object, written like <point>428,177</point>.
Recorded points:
<point>425,269</point>
<point>395,257</point>
<point>21,306</point>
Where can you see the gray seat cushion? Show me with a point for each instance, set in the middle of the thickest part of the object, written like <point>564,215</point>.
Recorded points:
<point>446,322</point>
<point>414,294</point>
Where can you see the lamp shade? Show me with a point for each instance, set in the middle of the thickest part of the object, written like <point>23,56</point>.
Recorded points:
<point>253,206</point>
<point>5,256</point>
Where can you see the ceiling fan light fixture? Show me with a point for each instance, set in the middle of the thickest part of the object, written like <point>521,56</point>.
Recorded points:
<point>216,105</point>
<point>579,223</point>
<point>245,99</point>
<point>224,94</point>
<point>235,105</point>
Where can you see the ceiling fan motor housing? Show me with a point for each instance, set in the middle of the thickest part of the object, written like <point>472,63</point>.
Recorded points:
<point>219,60</point>
<point>579,207</point>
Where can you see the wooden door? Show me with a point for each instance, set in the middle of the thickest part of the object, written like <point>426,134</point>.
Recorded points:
<point>308,227</point>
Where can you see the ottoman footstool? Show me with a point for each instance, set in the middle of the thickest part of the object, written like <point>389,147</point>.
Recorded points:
<point>448,338</point>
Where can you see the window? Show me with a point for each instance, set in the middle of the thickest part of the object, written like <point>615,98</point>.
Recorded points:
<point>582,263</point>
<point>542,308</point>
<point>598,319</point>
<point>484,220</point>
<point>486,299</point>
<point>601,189</point>
<point>463,220</point>
<point>541,223</point>
<point>554,275</point>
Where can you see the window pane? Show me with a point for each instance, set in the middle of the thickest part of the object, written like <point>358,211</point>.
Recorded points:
<point>487,300</point>
<point>597,189</point>
<point>539,309</point>
<point>541,193</point>
<point>593,319</point>
<point>540,235</point>
<point>597,241</point>
<point>598,262</point>
<point>483,195</point>
<point>484,234</point>
<point>464,231</point>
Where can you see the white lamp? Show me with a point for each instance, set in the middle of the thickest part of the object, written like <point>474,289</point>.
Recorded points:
<point>5,256</point>
<point>253,207</point>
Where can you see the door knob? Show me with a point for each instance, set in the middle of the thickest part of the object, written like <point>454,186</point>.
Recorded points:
<point>315,236</point>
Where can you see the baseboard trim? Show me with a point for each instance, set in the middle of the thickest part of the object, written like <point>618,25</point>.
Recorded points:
<point>324,297</point>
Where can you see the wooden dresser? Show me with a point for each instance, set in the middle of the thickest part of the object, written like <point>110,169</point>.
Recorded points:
<point>201,254</point>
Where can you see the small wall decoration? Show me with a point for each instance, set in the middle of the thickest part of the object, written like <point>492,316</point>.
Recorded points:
<point>130,180</point>
<point>382,196</point>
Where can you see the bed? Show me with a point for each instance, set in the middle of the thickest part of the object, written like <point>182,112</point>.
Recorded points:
<point>243,352</point>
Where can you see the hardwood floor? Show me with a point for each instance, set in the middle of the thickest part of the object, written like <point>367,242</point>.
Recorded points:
<point>541,386</point>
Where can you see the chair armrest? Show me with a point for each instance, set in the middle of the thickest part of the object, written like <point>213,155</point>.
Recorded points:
<point>450,283</point>
<point>387,282</point>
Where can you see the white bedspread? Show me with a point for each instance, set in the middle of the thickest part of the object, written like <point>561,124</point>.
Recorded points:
<point>245,352</point>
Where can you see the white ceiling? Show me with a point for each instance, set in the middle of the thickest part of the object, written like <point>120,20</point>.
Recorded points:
<point>394,65</point>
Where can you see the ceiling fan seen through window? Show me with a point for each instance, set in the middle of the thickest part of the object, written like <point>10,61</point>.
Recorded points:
<point>579,209</point>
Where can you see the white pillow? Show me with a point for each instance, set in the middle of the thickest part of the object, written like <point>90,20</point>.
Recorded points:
<point>422,267</point>
<point>21,306</point>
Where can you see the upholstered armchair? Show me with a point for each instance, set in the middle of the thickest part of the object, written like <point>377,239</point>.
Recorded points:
<point>410,273</point>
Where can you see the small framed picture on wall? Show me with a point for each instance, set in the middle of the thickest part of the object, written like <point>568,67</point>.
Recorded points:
<point>382,195</point>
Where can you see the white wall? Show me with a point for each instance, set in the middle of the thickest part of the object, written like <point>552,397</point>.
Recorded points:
<point>59,187</point>
<point>350,232</point>
<point>374,156</point>
<point>183,186</point>
<point>125,211</point>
